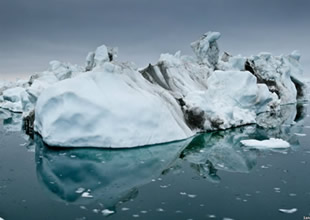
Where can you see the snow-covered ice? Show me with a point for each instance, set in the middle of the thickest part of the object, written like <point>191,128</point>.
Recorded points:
<point>266,144</point>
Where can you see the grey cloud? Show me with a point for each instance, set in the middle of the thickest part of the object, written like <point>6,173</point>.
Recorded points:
<point>35,31</point>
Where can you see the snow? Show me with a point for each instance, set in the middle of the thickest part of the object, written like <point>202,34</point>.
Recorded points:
<point>266,144</point>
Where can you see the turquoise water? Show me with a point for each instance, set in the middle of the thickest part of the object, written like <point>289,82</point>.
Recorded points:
<point>211,176</point>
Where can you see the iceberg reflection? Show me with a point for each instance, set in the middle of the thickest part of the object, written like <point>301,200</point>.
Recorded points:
<point>110,176</point>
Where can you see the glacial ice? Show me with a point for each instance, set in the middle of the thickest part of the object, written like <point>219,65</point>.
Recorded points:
<point>126,111</point>
<point>108,103</point>
<point>206,48</point>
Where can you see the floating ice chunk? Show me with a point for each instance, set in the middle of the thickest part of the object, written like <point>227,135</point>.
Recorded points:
<point>107,212</point>
<point>192,196</point>
<point>266,144</point>
<point>80,190</point>
<point>288,211</point>
<point>300,134</point>
<point>86,195</point>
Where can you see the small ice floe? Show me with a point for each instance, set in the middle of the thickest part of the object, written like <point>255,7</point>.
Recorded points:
<point>272,143</point>
<point>1,218</point>
<point>125,209</point>
<point>80,190</point>
<point>300,134</point>
<point>192,196</point>
<point>86,195</point>
<point>107,212</point>
<point>96,210</point>
<point>288,211</point>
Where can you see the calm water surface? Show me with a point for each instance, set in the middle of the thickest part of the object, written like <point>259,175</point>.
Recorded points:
<point>211,176</point>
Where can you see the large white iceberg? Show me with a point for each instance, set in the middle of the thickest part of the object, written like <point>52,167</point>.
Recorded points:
<point>113,104</point>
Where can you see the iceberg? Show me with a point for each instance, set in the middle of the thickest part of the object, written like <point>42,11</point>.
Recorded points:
<point>282,75</point>
<point>114,107</point>
<point>114,104</point>
<point>21,96</point>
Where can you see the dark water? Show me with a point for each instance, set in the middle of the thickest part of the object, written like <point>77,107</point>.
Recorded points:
<point>208,177</point>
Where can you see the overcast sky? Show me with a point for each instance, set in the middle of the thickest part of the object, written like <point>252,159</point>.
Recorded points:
<point>33,32</point>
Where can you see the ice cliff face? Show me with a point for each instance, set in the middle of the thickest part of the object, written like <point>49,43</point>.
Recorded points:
<point>113,104</point>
